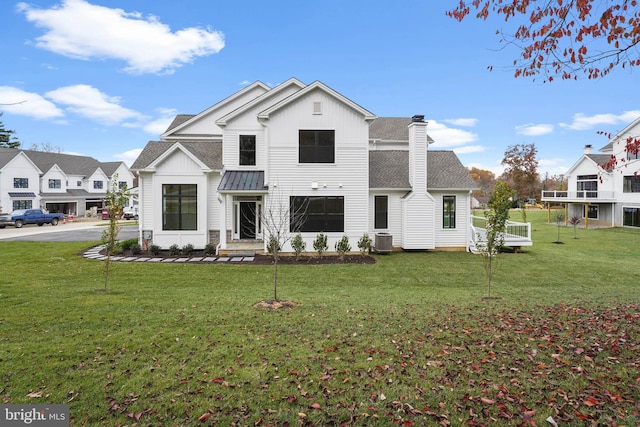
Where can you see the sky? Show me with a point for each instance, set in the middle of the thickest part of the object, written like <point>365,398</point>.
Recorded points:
<point>102,78</point>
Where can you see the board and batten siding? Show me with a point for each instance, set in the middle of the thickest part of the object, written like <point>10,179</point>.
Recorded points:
<point>347,177</point>
<point>178,168</point>
<point>458,237</point>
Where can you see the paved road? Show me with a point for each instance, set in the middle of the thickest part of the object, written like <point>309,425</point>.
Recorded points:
<point>80,231</point>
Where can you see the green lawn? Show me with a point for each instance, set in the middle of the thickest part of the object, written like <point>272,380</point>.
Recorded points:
<point>410,340</point>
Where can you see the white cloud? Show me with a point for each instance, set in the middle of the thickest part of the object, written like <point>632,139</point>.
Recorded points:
<point>160,125</point>
<point>467,149</point>
<point>583,122</point>
<point>531,129</point>
<point>79,29</point>
<point>128,156</point>
<point>445,136</point>
<point>28,104</point>
<point>89,102</point>
<point>468,122</point>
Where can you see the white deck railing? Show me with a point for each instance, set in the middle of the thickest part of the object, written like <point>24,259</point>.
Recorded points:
<point>516,234</point>
<point>587,196</point>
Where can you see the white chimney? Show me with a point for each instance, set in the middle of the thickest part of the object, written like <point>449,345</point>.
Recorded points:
<point>588,149</point>
<point>418,145</point>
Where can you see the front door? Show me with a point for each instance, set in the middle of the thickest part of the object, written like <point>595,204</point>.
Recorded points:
<point>247,220</point>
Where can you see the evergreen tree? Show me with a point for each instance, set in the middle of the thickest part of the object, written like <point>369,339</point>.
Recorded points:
<point>7,138</point>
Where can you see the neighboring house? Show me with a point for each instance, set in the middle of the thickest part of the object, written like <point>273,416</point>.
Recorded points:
<point>57,182</point>
<point>604,197</point>
<point>214,174</point>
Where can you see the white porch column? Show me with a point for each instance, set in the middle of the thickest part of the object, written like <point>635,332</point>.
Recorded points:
<point>223,221</point>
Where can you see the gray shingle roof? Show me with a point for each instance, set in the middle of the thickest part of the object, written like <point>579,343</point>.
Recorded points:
<point>178,120</point>
<point>600,159</point>
<point>69,163</point>
<point>391,129</point>
<point>445,171</point>
<point>208,152</point>
<point>390,169</point>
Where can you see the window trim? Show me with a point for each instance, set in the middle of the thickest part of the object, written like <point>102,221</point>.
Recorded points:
<point>316,153</point>
<point>380,215</point>
<point>20,182</point>
<point>97,186</point>
<point>631,184</point>
<point>317,222</point>
<point>252,140</point>
<point>54,184</point>
<point>449,215</point>
<point>183,198</point>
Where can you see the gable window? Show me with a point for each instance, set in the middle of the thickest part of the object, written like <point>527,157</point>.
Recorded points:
<point>381,212</point>
<point>97,185</point>
<point>449,212</point>
<point>20,182</point>
<point>247,150</point>
<point>179,207</point>
<point>22,204</point>
<point>316,146</point>
<point>631,184</point>
<point>122,184</point>
<point>317,214</point>
<point>55,183</point>
<point>587,186</point>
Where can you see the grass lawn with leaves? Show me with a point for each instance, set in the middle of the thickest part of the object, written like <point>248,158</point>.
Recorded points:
<point>409,340</point>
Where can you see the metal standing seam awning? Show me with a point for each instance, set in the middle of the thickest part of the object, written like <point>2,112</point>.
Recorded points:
<point>245,181</point>
<point>22,195</point>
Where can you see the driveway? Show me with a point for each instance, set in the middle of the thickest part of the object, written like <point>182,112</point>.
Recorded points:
<point>77,231</point>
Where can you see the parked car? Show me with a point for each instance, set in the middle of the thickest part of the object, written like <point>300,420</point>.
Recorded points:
<point>22,217</point>
<point>130,213</point>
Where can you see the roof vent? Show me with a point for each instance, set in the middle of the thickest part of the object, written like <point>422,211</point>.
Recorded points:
<point>417,119</point>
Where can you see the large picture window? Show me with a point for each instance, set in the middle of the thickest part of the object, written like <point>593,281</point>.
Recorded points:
<point>247,150</point>
<point>587,186</point>
<point>317,214</point>
<point>179,207</point>
<point>631,217</point>
<point>316,146</point>
<point>449,212</point>
<point>381,212</point>
<point>631,184</point>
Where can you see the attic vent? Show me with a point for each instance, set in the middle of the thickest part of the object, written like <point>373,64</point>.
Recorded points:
<point>417,119</point>
<point>317,108</point>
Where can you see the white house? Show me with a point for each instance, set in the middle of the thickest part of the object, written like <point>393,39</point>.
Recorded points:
<point>263,150</point>
<point>57,182</point>
<point>602,193</point>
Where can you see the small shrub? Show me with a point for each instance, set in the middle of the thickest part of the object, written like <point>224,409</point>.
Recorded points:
<point>188,249</point>
<point>209,249</point>
<point>154,249</point>
<point>127,244</point>
<point>174,249</point>
<point>342,246</point>
<point>273,245</point>
<point>135,249</point>
<point>298,244</point>
<point>320,244</point>
<point>364,244</point>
